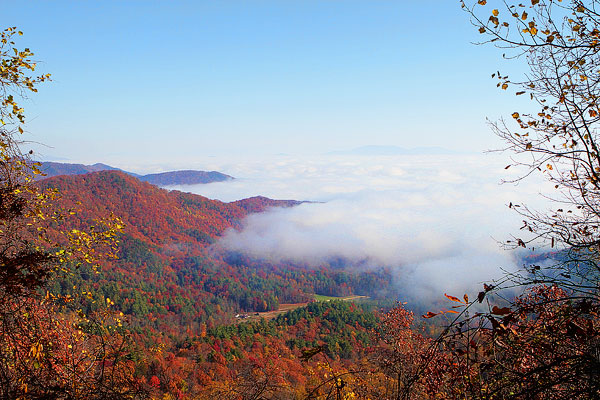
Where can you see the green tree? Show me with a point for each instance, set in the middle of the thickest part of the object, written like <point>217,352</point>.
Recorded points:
<point>48,347</point>
<point>24,266</point>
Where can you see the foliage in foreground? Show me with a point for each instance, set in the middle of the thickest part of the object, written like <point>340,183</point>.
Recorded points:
<point>543,344</point>
<point>47,348</point>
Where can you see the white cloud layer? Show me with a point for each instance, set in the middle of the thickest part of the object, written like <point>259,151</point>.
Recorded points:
<point>434,219</point>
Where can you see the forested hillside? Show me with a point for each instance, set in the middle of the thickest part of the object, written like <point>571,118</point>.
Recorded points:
<point>114,289</point>
<point>179,290</point>
<point>186,177</point>
<point>169,267</point>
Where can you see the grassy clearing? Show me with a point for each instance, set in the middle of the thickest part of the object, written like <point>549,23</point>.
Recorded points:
<point>319,297</point>
<point>283,308</point>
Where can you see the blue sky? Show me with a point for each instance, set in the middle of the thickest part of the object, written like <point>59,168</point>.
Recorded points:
<point>158,80</point>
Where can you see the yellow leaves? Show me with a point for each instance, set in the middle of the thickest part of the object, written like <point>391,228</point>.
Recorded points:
<point>443,312</point>
<point>515,115</point>
<point>532,29</point>
<point>13,72</point>
<point>495,12</point>
<point>482,2</point>
<point>36,350</point>
<point>350,395</point>
<point>524,16</point>
<point>548,166</point>
<point>456,299</point>
<point>504,86</point>
<point>157,348</point>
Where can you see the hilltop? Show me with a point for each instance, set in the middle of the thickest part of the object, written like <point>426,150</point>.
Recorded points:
<point>169,253</point>
<point>171,178</point>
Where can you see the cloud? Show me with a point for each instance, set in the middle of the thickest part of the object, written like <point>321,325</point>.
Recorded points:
<point>435,220</point>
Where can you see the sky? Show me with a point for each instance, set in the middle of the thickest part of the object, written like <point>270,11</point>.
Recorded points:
<point>268,92</point>
<point>158,81</point>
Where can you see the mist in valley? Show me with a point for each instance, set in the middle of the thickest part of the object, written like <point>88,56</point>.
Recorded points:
<point>437,221</point>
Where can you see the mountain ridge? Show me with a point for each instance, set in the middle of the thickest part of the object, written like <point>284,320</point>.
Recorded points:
<point>164,213</point>
<point>170,178</point>
<point>378,150</point>
<point>170,267</point>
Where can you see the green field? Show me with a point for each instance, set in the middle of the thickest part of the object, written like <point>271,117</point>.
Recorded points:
<point>319,297</point>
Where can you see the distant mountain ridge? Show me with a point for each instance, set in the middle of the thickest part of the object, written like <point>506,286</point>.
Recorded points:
<point>374,150</point>
<point>51,168</point>
<point>185,177</point>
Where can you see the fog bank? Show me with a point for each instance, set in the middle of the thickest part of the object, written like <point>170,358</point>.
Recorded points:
<point>436,220</point>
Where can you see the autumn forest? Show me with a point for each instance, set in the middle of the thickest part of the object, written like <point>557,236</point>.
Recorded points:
<point>119,285</point>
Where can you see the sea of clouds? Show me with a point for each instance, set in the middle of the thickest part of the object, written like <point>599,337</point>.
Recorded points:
<point>436,220</point>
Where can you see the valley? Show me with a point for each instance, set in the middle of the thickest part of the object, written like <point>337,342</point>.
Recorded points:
<point>176,286</point>
<point>284,308</point>
<point>285,210</point>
